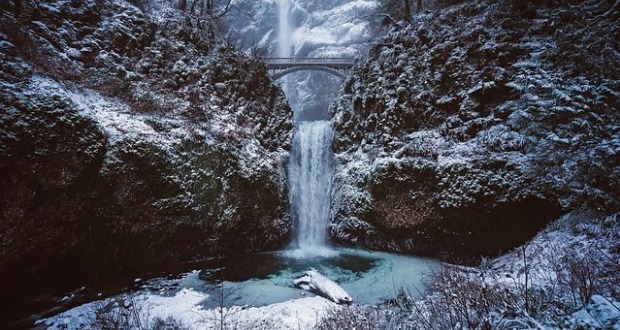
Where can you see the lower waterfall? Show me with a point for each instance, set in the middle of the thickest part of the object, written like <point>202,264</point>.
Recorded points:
<point>310,178</point>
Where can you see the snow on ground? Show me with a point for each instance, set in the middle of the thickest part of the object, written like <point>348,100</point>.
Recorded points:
<point>572,273</point>
<point>601,313</point>
<point>185,308</point>
<point>183,302</point>
<point>573,235</point>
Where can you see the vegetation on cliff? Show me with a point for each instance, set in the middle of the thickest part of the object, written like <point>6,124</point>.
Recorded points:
<point>469,129</point>
<point>130,139</point>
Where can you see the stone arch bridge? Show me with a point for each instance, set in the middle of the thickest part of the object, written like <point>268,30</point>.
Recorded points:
<point>281,66</point>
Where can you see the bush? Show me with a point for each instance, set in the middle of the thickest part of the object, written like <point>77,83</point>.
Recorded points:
<point>581,277</point>
<point>355,317</point>
<point>124,312</point>
<point>481,298</point>
<point>464,299</point>
<point>128,312</point>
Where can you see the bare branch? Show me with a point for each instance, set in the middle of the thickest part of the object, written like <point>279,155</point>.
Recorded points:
<point>226,10</point>
<point>392,20</point>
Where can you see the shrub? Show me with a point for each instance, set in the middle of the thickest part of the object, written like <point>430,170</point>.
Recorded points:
<point>355,317</point>
<point>129,312</point>
<point>123,312</point>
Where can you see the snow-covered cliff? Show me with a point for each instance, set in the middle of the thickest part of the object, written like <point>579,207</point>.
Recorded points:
<point>131,139</point>
<point>470,129</point>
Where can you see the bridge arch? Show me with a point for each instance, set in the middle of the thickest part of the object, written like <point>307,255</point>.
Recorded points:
<point>339,67</point>
<point>284,72</point>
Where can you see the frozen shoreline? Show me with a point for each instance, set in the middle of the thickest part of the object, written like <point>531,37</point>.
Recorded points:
<point>184,307</point>
<point>571,235</point>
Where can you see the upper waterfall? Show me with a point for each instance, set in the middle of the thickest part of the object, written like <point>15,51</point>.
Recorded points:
<point>284,28</point>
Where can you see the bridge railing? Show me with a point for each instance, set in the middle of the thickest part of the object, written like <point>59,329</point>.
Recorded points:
<point>310,60</point>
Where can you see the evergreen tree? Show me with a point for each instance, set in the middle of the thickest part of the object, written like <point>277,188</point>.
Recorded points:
<point>396,10</point>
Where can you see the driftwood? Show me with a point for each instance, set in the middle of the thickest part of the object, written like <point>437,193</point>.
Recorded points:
<point>314,282</point>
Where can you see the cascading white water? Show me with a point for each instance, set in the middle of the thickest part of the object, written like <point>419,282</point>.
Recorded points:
<point>310,167</point>
<point>284,28</point>
<point>310,178</point>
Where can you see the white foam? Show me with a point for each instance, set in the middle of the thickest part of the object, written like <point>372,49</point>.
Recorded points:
<point>311,251</point>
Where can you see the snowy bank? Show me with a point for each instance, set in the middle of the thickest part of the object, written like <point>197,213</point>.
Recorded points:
<point>186,310</point>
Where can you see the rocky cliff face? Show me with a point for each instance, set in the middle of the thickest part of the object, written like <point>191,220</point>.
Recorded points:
<point>131,140</point>
<point>468,130</point>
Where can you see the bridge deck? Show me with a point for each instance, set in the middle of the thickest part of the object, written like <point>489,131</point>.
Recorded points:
<point>282,62</point>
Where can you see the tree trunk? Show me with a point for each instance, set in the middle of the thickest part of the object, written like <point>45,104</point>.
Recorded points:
<point>210,7</point>
<point>193,6</point>
<point>407,11</point>
<point>183,5</point>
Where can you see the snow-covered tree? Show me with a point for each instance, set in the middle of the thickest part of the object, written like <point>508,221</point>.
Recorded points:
<point>395,10</point>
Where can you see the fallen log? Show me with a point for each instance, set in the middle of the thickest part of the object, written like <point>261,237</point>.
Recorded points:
<point>314,282</point>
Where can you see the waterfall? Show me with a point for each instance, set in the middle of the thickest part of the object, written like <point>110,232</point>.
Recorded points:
<point>284,28</point>
<point>285,31</point>
<point>310,167</point>
<point>310,178</point>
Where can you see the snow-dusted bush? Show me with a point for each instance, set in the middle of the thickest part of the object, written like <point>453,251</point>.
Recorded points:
<point>127,312</point>
<point>356,317</point>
